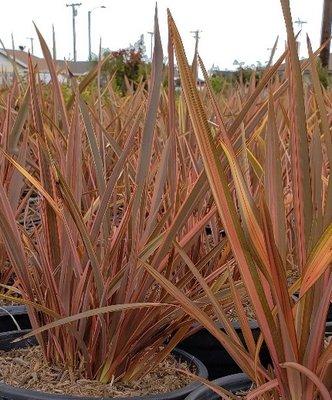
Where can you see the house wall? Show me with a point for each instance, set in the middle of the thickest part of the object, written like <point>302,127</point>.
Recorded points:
<point>45,77</point>
<point>6,68</point>
<point>6,65</point>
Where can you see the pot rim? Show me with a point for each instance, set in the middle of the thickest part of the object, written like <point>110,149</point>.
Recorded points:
<point>13,310</point>
<point>232,382</point>
<point>16,393</point>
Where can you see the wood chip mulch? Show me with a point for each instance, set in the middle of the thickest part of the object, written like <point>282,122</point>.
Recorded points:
<point>27,368</point>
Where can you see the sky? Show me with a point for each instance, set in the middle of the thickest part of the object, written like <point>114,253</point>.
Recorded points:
<point>231,30</point>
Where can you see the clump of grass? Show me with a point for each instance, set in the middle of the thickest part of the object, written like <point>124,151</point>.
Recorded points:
<point>269,173</point>
<point>115,183</point>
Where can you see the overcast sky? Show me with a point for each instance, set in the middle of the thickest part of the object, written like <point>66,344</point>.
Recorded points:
<point>231,29</point>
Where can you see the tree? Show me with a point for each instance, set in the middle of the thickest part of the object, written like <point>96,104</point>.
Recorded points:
<point>217,83</point>
<point>125,65</point>
<point>129,63</point>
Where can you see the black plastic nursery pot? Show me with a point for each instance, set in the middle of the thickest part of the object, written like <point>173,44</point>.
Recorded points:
<point>328,328</point>
<point>208,349</point>
<point>233,383</point>
<point>329,314</point>
<point>8,392</point>
<point>219,363</point>
<point>13,318</point>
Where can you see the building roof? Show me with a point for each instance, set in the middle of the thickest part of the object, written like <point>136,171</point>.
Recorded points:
<point>22,57</point>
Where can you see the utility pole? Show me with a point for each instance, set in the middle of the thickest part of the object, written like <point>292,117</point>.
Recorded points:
<point>31,42</point>
<point>197,37</point>
<point>269,49</point>
<point>326,32</point>
<point>13,42</point>
<point>89,29</point>
<point>89,32</point>
<point>74,10</point>
<point>195,60</point>
<point>300,23</point>
<point>13,46</point>
<point>54,43</point>
<point>151,44</point>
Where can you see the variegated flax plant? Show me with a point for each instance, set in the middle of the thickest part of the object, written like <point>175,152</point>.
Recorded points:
<point>267,155</point>
<point>125,186</point>
<point>89,186</point>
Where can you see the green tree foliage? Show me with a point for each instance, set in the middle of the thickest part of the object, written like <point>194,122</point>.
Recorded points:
<point>128,66</point>
<point>323,74</point>
<point>217,83</point>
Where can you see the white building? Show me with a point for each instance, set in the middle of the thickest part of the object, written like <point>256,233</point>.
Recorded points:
<point>18,60</point>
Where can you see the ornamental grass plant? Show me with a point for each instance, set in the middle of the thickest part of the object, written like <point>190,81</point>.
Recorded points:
<point>113,182</point>
<point>121,261</point>
<point>268,168</point>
